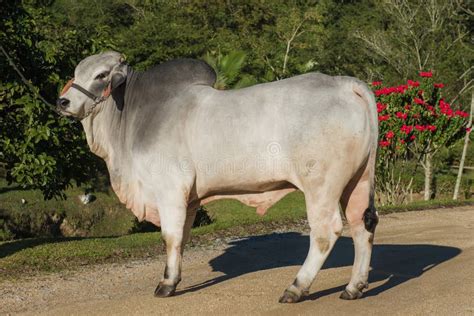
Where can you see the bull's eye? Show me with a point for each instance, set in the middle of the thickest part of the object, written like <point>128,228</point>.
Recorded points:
<point>102,75</point>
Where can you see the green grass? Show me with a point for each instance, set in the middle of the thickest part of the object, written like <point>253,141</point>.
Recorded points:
<point>31,256</point>
<point>106,216</point>
<point>423,205</point>
<point>229,213</point>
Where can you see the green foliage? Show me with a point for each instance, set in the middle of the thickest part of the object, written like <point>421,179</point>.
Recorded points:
<point>22,222</point>
<point>202,218</point>
<point>5,232</point>
<point>36,217</point>
<point>246,42</point>
<point>228,69</point>
<point>38,148</point>
<point>414,122</point>
<point>423,34</point>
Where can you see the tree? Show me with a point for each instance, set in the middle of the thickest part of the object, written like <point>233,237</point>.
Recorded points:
<point>46,39</point>
<point>421,35</point>
<point>427,34</point>
<point>464,150</point>
<point>39,149</point>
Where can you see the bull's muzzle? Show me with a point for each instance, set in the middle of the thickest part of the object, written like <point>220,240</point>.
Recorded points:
<point>62,103</point>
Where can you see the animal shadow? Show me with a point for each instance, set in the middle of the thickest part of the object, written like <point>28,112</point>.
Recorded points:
<point>391,262</point>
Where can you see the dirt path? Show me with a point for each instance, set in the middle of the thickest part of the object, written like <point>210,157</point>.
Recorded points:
<point>422,265</point>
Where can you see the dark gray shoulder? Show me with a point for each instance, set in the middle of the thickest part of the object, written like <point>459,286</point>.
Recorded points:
<point>183,71</point>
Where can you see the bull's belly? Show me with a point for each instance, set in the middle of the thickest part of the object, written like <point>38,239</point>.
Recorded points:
<point>256,187</point>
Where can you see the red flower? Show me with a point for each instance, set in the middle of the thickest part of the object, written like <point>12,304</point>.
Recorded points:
<point>407,106</point>
<point>380,107</point>
<point>402,141</point>
<point>406,129</point>
<point>412,137</point>
<point>468,129</point>
<point>427,74</point>
<point>401,88</point>
<point>389,134</point>
<point>413,83</point>
<point>431,128</point>
<point>376,83</point>
<point>446,108</point>
<point>402,116</point>
<point>385,91</point>
<point>443,105</point>
<point>461,113</point>
<point>384,117</point>
<point>420,128</point>
<point>439,85</point>
<point>384,143</point>
<point>419,101</point>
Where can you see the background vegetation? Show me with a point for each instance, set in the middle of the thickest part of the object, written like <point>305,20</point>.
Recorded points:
<point>247,42</point>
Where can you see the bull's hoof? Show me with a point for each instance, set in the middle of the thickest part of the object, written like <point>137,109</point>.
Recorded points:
<point>289,297</point>
<point>354,294</point>
<point>163,290</point>
<point>346,295</point>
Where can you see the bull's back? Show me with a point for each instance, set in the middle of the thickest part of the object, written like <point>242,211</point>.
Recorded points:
<point>273,131</point>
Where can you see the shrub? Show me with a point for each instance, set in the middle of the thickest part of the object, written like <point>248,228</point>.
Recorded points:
<point>22,222</point>
<point>415,121</point>
<point>202,218</point>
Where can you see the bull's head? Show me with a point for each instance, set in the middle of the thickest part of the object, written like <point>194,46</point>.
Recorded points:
<point>95,78</point>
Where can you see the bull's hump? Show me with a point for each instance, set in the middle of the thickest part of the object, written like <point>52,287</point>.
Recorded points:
<point>183,71</point>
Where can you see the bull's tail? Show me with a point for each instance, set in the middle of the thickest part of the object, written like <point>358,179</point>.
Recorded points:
<point>361,89</point>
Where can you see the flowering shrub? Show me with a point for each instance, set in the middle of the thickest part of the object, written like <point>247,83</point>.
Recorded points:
<point>414,119</point>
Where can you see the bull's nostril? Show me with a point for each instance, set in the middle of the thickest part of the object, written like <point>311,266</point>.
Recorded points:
<point>62,102</point>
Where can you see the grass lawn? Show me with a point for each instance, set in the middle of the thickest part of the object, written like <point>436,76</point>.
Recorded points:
<point>31,256</point>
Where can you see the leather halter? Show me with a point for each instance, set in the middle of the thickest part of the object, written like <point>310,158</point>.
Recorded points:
<point>95,98</point>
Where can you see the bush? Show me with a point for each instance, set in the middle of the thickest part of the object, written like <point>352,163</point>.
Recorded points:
<point>22,223</point>
<point>202,218</point>
<point>142,227</point>
<point>5,233</point>
<point>415,122</point>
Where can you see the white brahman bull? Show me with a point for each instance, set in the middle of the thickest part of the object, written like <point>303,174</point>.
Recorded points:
<point>172,142</point>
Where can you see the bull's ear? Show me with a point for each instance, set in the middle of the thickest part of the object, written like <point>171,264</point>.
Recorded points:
<point>118,75</point>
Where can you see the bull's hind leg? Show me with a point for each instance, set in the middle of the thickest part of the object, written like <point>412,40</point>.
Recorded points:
<point>357,202</point>
<point>175,230</point>
<point>325,222</point>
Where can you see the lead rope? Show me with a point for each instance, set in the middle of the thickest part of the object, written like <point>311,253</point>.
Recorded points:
<point>93,106</point>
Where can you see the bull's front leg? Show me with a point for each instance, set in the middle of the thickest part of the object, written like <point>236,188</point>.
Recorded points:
<point>175,230</point>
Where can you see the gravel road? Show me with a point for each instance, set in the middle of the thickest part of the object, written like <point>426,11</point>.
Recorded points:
<point>422,265</point>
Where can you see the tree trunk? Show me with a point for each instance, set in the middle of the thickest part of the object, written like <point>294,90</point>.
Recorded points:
<point>428,167</point>
<point>464,152</point>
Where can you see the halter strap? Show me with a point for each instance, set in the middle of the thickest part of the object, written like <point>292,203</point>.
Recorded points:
<point>71,84</point>
<point>95,98</point>
<point>85,91</point>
